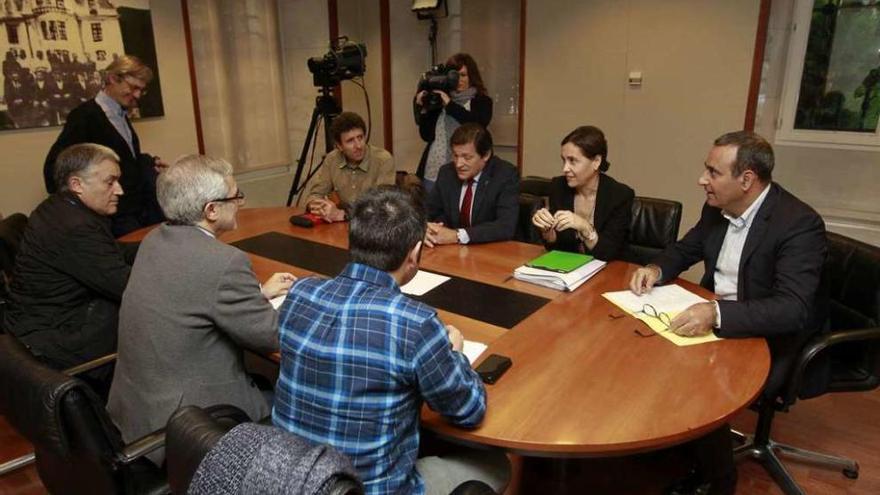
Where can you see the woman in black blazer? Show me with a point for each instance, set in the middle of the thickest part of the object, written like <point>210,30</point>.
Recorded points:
<point>468,103</point>
<point>589,211</point>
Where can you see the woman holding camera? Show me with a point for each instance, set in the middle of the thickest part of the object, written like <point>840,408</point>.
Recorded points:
<point>589,211</point>
<point>438,120</point>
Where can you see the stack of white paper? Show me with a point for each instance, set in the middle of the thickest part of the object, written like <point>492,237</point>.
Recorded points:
<point>559,281</point>
<point>276,302</point>
<point>422,283</point>
<point>473,350</point>
<point>670,299</point>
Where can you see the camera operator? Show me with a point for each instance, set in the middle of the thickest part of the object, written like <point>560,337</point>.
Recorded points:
<point>468,103</point>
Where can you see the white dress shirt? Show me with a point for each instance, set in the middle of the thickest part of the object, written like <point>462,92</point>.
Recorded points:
<point>117,116</point>
<point>727,266</point>
<point>463,237</point>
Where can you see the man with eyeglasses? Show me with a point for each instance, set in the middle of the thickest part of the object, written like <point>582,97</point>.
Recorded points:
<point>763,250</point>
<point>104,120</point>
<point>191,305</point>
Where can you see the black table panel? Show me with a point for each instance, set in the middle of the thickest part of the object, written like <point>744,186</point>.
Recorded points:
<point>494,305</point>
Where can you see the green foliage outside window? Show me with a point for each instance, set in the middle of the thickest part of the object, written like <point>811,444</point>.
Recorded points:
<point>840,85</point>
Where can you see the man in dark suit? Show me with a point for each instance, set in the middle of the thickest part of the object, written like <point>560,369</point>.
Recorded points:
<point>475,197</point>
<point>763,251</point>
<point>70,272</point>
<point>104,120</point>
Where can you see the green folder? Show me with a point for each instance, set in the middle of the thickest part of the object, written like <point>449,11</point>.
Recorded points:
<point>560,261</point>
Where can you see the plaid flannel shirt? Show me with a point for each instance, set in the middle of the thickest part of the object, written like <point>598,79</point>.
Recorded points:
<point>358,358</point>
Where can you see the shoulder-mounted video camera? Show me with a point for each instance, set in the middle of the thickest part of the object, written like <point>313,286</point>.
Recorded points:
<point>442,78</point>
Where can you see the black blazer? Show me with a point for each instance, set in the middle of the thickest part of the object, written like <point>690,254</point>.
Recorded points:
<point>780,273</point>
<point>68,281</point>
<point>495,207</point>
<point>480,112</point>
<point>87,123</point>
<point>611,217</point>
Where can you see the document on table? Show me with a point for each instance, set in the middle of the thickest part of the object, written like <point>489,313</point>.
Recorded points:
<point>669,299</point>
<point>422,283</point>
<point>472,350</point>
<point>559,281</point>
<point>276,301</point>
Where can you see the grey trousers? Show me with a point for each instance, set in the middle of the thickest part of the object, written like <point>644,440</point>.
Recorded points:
<point>442,474</point>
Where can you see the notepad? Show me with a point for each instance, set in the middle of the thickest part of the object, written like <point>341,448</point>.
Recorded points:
<point>423,283</point>
<point>560,261</point>
<point>276,302</point>
<point>473,350</point>
<point>669,299</point>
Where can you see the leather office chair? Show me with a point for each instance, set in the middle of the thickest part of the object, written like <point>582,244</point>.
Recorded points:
<point>525,231</point>
<point>78,449</point>
<point>11,231</point>
<point>536,186</point>
<point>851,349</point>
<point>653,227</point>
<point>534,193</point>
<point>192,433</point>
<point>28,459</point>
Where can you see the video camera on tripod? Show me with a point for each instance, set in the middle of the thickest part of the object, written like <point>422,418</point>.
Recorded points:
<point>440,77</point>
<point>344,61</point>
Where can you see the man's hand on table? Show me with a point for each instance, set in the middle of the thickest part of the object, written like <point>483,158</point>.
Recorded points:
<point>455,338</point>
<point>277,285</point>
<point>644,279</point>
<point>326,209</point>
<point>695,321</point>
<point>438,234</point>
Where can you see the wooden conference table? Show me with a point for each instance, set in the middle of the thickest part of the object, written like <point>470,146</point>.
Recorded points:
<point>582,383</point>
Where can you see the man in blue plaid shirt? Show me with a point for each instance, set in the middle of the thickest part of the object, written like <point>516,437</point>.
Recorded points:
<point>358,358</point>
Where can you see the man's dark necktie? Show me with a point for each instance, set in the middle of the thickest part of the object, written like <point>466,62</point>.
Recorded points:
<point>464,216</point>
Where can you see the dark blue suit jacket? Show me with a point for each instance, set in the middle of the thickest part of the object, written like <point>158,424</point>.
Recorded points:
<point>495,205</point>
<point>779,283</point>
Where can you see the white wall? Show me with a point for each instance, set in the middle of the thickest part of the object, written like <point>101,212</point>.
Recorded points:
<point>695,58</point>
<point>22,152</point>
<point>360,22</point>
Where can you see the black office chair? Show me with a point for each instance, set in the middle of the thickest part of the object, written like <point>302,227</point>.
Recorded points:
<point>536,186</point>
<point>192,434</point>
<point>78,450</point>
<point>11,232</point>
<point>525,231</point>
<point>851,349</point>
<point>653,227</point>
<point>28,459</point>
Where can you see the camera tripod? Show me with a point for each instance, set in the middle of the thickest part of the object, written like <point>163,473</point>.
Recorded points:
<point>327,109</point>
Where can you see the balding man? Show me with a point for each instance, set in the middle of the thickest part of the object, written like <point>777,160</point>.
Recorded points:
<point>763,250</point>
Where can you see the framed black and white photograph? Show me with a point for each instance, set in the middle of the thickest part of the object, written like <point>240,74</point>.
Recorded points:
<point>54,53</point>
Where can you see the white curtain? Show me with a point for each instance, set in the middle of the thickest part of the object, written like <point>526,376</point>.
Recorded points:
<point>240,83</point>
